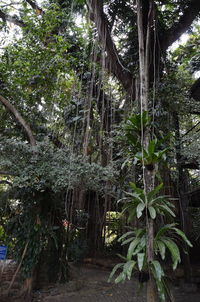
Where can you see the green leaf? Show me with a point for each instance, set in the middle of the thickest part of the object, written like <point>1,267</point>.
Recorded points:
<point>126,235</point>
<point>135,196</point>
<point>162,289</point>
<point>140,232</point>
<point>161,248</point>
<point>146,156</point>
<point>120,278</point>
<point>166,209</point>
<point>155,191</point>
<point>126,207</point>
<point>141,246</point>
<point>162,154</point>
<point>163,230</point>
<point>157,270</point>
<point>160,199</point>
<point>151,146</point>
<point>169,204</point>
<point>174,251</point>
<point>132,247</point>
<point>80,1</point>
<point>121,257</point>
<point>122,199</point>
<point>135,188</point>
<point>152,212</point>
<point>140,260</point>
<point>183,236</point>
<point>139,209</point>
<point>128,240</point>
<point>128,268</point>
<point>116,267</point>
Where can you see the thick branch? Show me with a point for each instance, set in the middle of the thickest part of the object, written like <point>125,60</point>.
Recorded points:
<point>35,6</point>
<point>13,19</point>
<point>123,75</point>
<point>20,119</point>
<point>178,28</point>
<point>195,90</point>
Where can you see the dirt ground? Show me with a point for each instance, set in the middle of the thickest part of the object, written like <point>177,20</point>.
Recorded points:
<point>90,285</point>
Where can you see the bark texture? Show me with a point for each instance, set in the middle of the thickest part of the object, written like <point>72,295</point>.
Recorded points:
<point>115,63</point>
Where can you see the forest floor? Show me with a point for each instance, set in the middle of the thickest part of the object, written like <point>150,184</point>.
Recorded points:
<point>90,285</point>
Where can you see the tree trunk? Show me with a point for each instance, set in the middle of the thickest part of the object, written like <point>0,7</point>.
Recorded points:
<point>20,119</point>
<point>148,176</point>
<point>96,210</point>
<point>183,199</point>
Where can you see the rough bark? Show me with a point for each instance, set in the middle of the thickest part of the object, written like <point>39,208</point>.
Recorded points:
<point>116,66</point>
<point>20,120</point>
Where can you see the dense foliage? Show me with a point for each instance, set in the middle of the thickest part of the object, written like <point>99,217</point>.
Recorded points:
<point>70,69</point>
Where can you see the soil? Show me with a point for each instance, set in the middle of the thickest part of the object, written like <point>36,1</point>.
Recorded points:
<point>90,285</point>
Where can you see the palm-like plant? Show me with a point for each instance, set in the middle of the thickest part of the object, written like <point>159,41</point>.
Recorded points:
<point>135,124</point>
<point>147,206</point>
<point>151,155</point>
<point>139,204</point>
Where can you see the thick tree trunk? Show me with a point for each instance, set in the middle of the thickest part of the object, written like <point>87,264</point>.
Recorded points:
<point>96,211</point>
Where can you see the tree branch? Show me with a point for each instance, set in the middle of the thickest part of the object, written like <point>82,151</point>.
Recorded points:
<point>35,6</point>
<point>195,90</point>
<point>20,119</point>
<point>116,66</point>
<point>190,13</point>
<point>13,19</point>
